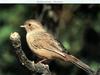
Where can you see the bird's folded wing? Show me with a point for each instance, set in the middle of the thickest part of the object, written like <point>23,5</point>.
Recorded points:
<point>47,41</point>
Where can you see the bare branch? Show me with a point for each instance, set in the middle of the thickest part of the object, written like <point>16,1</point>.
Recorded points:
<point>35,67</point>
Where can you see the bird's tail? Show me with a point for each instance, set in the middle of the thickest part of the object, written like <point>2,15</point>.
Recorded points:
<point>79,64</point>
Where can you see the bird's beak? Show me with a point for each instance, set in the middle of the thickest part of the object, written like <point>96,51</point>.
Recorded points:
<point>23,26</point>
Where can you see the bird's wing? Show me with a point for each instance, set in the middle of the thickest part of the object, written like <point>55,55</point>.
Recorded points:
<point>47,41</point>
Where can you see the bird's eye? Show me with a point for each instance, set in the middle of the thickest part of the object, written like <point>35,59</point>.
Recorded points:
<point>29,24</point>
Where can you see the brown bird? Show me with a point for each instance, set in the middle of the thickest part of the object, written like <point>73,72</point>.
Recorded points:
<point>45,46</point>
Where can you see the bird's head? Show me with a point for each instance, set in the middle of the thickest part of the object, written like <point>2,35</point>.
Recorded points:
<point>31,25</point>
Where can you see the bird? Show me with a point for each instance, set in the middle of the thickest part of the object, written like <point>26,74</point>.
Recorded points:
<point>45,45</point>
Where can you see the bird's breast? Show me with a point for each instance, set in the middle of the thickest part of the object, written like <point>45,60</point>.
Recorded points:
<point>30,37</point>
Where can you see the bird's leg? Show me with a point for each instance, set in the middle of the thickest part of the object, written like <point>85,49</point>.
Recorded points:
<point>43,60</point>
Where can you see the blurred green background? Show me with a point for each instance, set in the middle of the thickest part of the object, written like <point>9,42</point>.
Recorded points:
<point>76,26</point>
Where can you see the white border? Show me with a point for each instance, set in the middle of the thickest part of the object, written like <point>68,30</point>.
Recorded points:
<point>51,1</point>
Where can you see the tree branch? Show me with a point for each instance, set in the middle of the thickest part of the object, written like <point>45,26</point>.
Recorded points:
<point>35,67</point>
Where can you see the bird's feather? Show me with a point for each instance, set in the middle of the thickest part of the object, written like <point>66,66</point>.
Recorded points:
<point>43,40</point>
